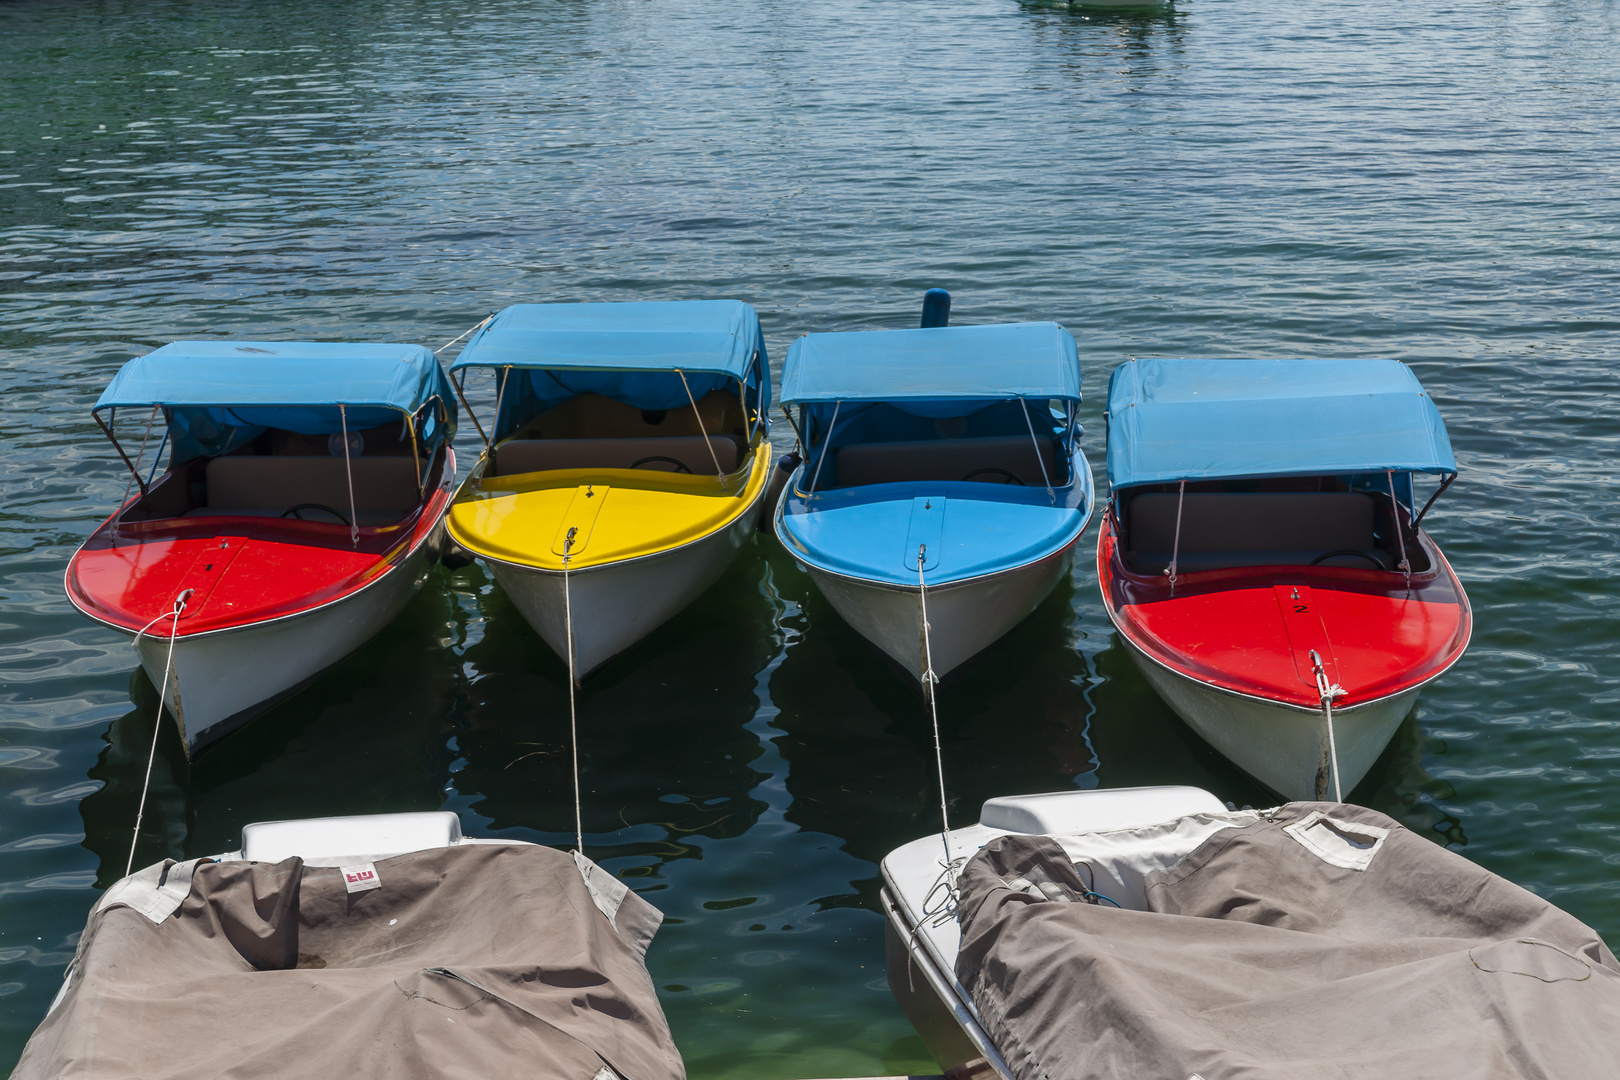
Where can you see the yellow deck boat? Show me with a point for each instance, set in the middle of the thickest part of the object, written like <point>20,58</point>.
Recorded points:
<point>628,453</point>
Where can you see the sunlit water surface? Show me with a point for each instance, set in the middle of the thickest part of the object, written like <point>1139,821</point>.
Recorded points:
<point>1432,182</point>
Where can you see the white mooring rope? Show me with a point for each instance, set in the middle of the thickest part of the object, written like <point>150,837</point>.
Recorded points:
<point>930,683</point>
<point>463,334</point>
<point>573,725</point>
<point>1327,693</point>
<point>157,723</point>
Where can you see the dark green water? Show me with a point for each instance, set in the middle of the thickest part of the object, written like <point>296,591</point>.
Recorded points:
<point>1436,183</point>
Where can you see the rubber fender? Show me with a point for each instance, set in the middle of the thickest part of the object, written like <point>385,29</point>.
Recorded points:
<point>773,489</point>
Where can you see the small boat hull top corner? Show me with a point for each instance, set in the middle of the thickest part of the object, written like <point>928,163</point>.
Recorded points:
<point>941,468</point>
<point>301,509</point>
<point>626,467</point>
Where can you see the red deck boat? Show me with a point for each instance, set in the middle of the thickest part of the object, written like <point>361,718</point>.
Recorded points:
<point>301,509</point>
<point>1261,562</point>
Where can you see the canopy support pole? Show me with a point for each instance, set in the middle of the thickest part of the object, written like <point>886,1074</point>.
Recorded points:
<point>832,425</point>
<point>797,434</point>
<point>416,455</point>
<point>718,471</point>
<point>1400,535</point>
<point>1175,545</point>
<point>348,471</point>
<point>140,455</point>
<point>133,471</point>
<point>1040,459</point>
<point>474,416</point>
<point>1445,482</point>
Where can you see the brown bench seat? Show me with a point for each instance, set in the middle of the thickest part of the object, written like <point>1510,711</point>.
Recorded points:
<point>268,485</point>
<point>859,464</point>
<point>658,453</point>
<point>1222,530</point>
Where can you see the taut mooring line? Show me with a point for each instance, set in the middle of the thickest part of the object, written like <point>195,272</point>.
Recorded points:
<point>157,723</point>
<point>930,683</point>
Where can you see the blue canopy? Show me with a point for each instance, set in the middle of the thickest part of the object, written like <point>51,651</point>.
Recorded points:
<point>630,352</point>
<point>218,395</point>
<point>951,363</point>
<point>1171,420</point>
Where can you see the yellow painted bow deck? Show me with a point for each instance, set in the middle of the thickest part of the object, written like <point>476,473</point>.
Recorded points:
<point>617,514</point>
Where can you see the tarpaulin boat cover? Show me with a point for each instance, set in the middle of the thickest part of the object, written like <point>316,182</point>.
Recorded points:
<point>997,362</point>
<point>476,961</point>
<point>1267,953</point>
<point>629,352</point>
<point>1171,420</point>
<point>218,395</point>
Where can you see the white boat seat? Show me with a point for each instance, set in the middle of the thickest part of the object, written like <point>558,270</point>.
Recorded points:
<point>1220,530</point>
<point>384,487</point>
<point>541,455</point>
<point>859,464</point>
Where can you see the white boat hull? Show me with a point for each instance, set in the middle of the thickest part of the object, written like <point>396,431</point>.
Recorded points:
<point>1279,745</point>
<point>617,604</point>
<point>964,617</point>
<point>223,679</point>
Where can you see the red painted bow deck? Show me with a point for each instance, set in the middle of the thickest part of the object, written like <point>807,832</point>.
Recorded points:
<point>1251,630</point>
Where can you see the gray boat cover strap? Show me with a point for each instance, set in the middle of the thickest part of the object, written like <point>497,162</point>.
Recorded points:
<point>479,960</point>
<point>1267,954</point>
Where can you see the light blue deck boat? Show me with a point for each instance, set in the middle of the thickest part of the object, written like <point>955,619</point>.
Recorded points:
<point>940,464</point>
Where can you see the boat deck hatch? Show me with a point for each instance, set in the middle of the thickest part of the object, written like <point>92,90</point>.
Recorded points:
<point>927,532</point>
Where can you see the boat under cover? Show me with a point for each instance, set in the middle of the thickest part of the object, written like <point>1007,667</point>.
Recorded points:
<point>1088,935</point>
<point>384,945</point>
<point>945,457</point>
<point>1260,546</point>
<point>629,444</point>
<point>301,508</point>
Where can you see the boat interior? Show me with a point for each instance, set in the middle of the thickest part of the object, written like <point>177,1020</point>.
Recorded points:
<point>886,445</point>
<point>592,431</point>
<point>285,474</point>
<point>1291,521</point>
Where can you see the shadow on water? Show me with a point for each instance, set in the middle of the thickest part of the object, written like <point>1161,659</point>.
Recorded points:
<point>1399,786</point>
<point>1141,741</point>
<point>664,748</point>
<point>366,737</point>
<point>860,740</point>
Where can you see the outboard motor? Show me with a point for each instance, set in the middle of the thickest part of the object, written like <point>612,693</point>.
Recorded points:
<point>936,308</point>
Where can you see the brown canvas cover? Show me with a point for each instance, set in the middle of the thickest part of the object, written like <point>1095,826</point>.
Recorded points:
<point>476,961</point>
<point>1260,958</point>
